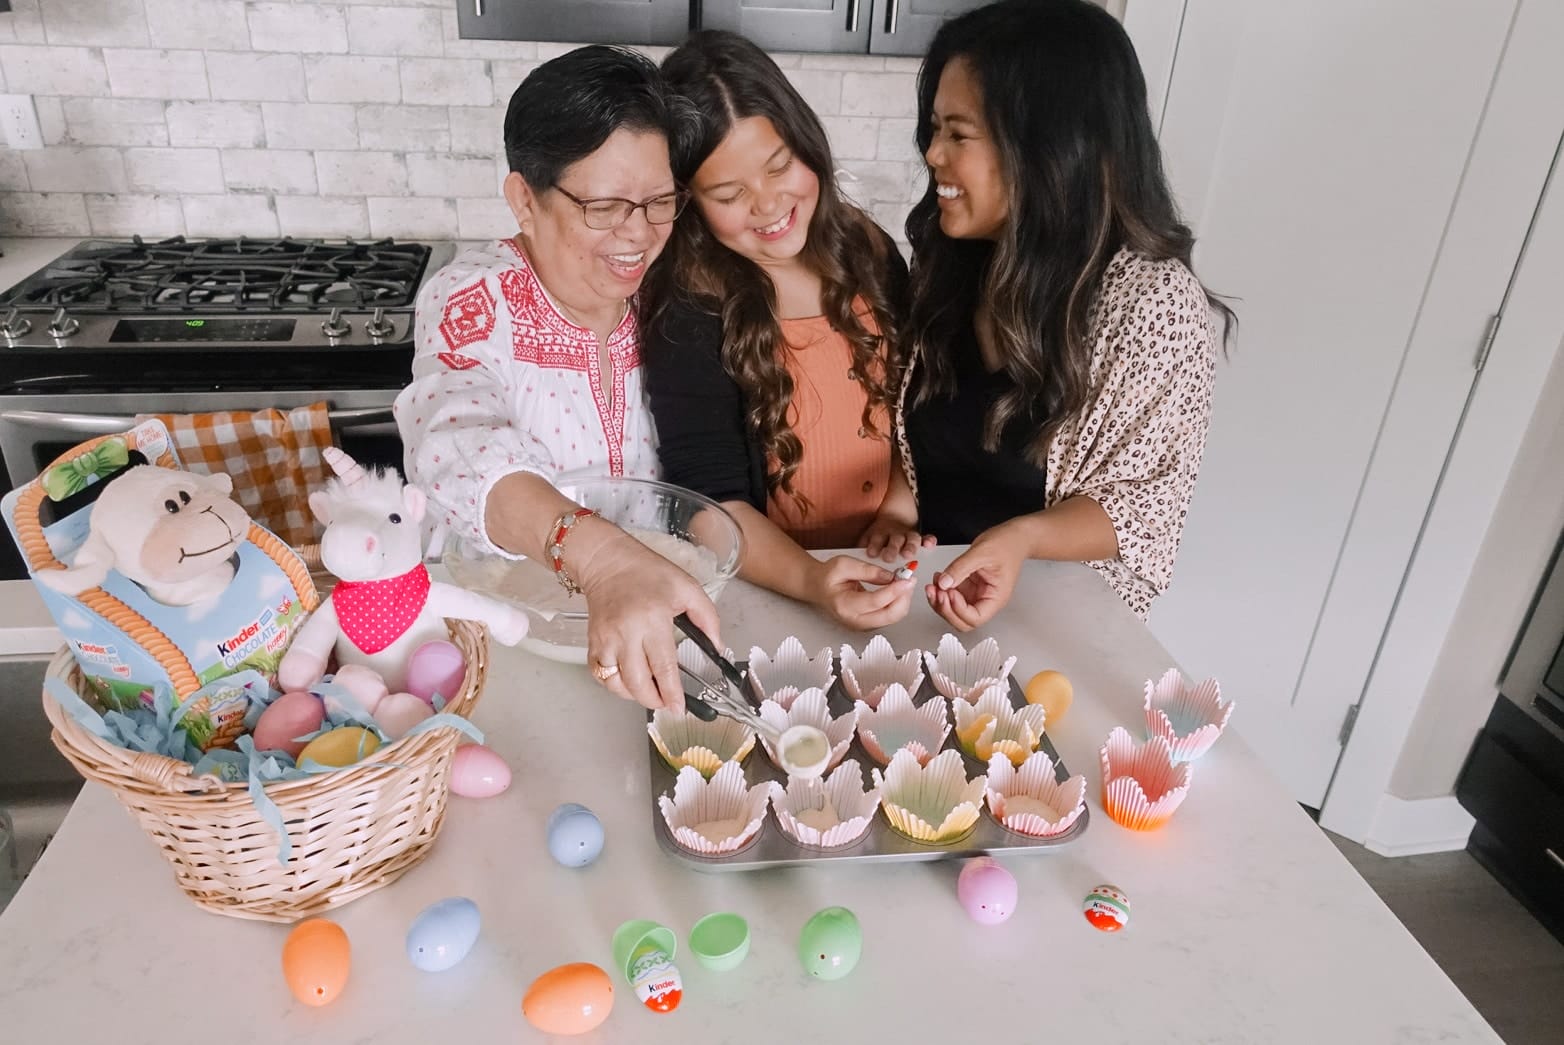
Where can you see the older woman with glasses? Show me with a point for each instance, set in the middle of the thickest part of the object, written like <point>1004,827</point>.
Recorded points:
<point>528,360</point>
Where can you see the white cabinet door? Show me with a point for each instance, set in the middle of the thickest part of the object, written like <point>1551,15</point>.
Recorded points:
<point>1319,150</point>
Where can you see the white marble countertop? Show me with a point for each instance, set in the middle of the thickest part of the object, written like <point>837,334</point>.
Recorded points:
<point>1247,925</point>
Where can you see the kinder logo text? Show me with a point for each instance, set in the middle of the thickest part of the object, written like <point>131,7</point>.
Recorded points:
<point>260,633</point>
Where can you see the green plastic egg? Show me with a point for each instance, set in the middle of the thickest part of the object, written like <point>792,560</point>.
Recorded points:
<point>831,943</point>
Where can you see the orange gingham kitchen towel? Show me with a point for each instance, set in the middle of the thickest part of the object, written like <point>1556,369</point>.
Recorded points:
<point>273,457</point>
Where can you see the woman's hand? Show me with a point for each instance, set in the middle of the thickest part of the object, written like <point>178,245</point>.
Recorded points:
<point>633,594</point>
<point>837,587</point>
<point>892,537</point>
<point>978,583</point>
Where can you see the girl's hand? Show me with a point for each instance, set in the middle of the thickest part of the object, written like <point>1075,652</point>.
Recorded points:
<point>891,537</point>
<point>838,588</point>
<point>978,583</point>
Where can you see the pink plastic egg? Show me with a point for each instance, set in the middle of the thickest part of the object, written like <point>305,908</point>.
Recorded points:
<point>436,667</point>
<point>477,772</point>
<point>399,713</point>
<point>290,716</point>
<point>987,891</point>
<point>364,684</point>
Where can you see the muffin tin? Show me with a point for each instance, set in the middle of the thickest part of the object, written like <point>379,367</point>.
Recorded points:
<point>772,847</point>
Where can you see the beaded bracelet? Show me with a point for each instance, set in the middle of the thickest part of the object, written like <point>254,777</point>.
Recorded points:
<point>556,547</point>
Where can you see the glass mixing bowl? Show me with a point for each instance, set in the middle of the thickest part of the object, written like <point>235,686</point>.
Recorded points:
<point>688,528</point>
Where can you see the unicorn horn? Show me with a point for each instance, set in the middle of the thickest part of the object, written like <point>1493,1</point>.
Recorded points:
<point>348,470</point>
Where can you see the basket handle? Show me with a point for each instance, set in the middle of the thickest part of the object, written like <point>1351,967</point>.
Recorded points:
<point>167,774</point>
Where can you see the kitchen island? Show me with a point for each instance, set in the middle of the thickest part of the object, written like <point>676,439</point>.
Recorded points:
<point>1247,925</point>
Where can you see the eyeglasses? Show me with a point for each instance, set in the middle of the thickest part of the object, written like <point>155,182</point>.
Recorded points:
<point>610,212</point>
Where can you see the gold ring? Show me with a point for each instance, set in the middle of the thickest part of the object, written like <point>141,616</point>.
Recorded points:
<point>604,672</point>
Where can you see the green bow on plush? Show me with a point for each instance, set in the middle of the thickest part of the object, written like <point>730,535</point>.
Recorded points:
<point>74,475</point>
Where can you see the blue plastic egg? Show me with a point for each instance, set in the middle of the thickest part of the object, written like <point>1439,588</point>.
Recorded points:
<point>442,934</point>
<point>575,835</point>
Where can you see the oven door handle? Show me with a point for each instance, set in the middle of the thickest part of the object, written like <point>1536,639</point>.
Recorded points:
<point>107,424</point>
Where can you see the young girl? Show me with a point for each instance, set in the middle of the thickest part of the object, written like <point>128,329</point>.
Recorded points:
<point>1057,401</point>
<point>771,340</point>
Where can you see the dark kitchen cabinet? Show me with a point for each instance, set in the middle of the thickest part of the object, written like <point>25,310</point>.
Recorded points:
<point>907,26</point>
<point>840,26</point>
<point>576,21</point>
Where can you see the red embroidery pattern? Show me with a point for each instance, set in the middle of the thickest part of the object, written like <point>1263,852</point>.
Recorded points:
<point>457,361</point>
<point>374,614</point>
<point>468,316</point>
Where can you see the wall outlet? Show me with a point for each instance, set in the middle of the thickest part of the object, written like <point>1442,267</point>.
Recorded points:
<point>19,122</point>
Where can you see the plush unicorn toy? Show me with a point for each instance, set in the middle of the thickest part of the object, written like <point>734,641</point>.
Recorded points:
<point>384,605</point>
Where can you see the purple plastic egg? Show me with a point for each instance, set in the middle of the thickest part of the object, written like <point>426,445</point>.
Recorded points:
<point>987,891</point>
<point>436,667</point>
<point>477,772</point>
<point>290,716</point>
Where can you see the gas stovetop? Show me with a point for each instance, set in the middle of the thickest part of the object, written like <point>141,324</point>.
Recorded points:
<point>207,310</point>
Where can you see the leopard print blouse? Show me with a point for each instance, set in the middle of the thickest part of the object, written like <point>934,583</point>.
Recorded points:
<point>1136,447</point>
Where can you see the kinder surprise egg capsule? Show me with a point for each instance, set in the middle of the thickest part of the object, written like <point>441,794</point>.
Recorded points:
<point>831,944</point>
<point>1107,908</point>
<point>570,999</point>
<point>987,891</point>
<point>442,934</point>
<point>316,959</point>
<point>436,667</point>
<point>477,772</point>
<point>341,747</point>
<point>292,715</point>
<point>575,835</point>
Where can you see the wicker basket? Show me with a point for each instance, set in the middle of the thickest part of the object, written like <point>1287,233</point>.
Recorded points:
<point>353,830</point>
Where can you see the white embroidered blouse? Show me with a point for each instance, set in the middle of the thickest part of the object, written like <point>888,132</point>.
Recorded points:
<point>503,382</point>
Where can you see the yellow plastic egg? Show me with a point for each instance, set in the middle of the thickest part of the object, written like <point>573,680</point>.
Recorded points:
<point>315,961</point>
<point>569,999</point>
<point>1053,691</point>
<point>341,747</point>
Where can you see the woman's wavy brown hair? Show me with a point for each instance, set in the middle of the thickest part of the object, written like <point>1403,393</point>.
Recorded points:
<point>1065,103</point>
<point>728,78</point>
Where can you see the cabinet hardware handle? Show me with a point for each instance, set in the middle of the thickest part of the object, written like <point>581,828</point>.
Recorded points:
<point>477,8</point>
<point>1555,857</point>
<point>891,14</point>
<point>852,16</point>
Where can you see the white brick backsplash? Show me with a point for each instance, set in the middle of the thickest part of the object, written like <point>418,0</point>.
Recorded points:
<point>903,65</point>
<point>13,173</point>
<point>233,214</point>
<point>879,94</point>
<point>821,89</point>
<point>44,213</point>
<point>156,74</point>
<point>397,3</point>
<point>54,70</point>
<point>412,218</point>
<point>114,121</point>
<point>24,25</point>
<point>51,119</point>
<point>95,22</point>
<point>245,77</point>
<point>456,47</point>
<point>214,25</point>
<point>269,170</point>
<point>788,61</point>
<point>322,216</point>
<point>877,181</point>
<point>412,127</point>
<point>174,170</point>
<point>432,175</point>
<point>477,131</point>
<point>352,79</point>
<point>398,31</point>
<point>361,173</point>
<point>484,219</point>
<point>892,217</point>
<point>841,62</point>
<point>221,124</point>
<point>446,81</point>
<point>508,74</point>
<point>306,28</point>
<point>290,126</point>
<point>899,142</point>
<point>852,137</point>
<point>135,215</point>
<point>70,168</point>
<point>554,48</point>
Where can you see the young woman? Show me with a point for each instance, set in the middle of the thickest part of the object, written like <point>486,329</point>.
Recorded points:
<point>1059,392</point>
<point>773,319</point>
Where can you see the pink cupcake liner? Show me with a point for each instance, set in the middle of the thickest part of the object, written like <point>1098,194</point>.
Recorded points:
<point>809,708</point>
<point>717,816</point>
<point>962,674</point>
<point>1141,784</point>
<point>897,725</point>
<point>867,676</point>
<point>826,814</point>
<point>1189,718</point>
<point>782,676</point>
<point>1029,800</point>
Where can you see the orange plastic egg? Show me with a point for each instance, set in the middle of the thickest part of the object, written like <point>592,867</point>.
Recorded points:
<point>315,961</point>
<point>569,999</point>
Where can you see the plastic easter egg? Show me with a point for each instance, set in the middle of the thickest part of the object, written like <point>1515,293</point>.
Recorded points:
<point>575,835</point>
<point>1107,908</point>
<point>343,746</point>
<point>1053,691</point>
<point>655,979</point>
<point>316,959</point>
<point>987,891</point>
<point>363,684</point>
<point>570,999</point>
<point>442,934</point>
<point>436,667</point>
<point>831,943</point>
<point>477,772</point>
<point>291,715</point>
<point>399,713</point>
